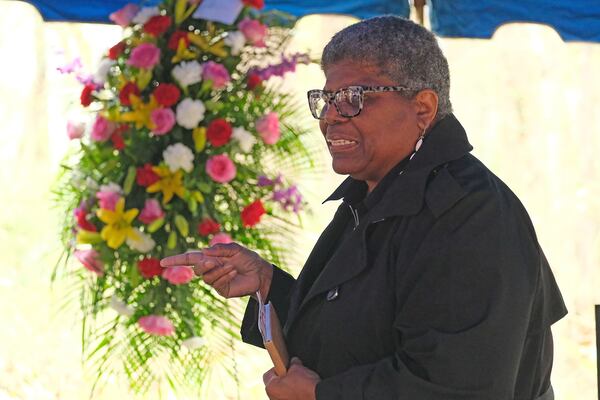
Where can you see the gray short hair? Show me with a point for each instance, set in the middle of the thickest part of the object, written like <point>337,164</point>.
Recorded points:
<point>403,50</point>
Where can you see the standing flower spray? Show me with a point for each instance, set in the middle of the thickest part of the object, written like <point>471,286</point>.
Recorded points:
<point>186,131</point>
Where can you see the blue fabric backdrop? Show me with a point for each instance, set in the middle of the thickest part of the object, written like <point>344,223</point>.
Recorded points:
<point>574,20</point>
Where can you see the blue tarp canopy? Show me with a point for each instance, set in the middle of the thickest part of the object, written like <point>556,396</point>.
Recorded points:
<point>574,20</point>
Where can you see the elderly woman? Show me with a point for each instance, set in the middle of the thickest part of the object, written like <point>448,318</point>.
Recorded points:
<point>429,282</point>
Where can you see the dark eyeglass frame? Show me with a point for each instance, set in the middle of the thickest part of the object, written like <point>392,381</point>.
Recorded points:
<point>332,97</point>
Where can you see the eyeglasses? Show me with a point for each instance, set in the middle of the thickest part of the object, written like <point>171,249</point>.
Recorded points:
<point>348,101</point>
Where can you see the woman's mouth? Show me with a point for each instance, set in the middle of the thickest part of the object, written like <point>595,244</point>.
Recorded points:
<point>336,145</point>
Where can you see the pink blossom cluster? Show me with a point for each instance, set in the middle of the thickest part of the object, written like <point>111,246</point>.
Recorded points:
<point>287,64</point>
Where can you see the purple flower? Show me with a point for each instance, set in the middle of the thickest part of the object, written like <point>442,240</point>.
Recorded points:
<point>264,181</point>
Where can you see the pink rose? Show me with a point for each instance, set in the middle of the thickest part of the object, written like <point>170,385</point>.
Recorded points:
<point>90,260</point>
<point>146,55</point>
<point>151,211</point>
<point>268,128</point>
<point>156,325</point>
<point>216,73</point>
<point>163,120</point>
<point>254,31</point>
<point>124,16</point>
<point>221,237</point>
<point>178,275</point>
<point>108,199</point>
<point>75,130</point>
<point>220,168</point>
<point>102,129</point>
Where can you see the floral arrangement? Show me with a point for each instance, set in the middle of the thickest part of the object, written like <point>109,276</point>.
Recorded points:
<point>184,150</point>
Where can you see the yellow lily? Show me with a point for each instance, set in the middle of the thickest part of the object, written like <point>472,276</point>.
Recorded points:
<point>182,12</point>
<point>118,224</point>
<point>183,53</point>
<point>216,48</point>
<point>170,183</point>
<point>140,114</point>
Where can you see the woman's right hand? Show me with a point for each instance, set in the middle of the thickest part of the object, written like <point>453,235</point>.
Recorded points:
<point>232,270</point>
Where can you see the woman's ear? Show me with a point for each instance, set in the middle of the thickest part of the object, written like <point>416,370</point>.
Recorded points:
<point>426,105</point>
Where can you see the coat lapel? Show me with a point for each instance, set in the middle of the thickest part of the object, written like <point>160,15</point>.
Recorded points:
<point>316,260</point>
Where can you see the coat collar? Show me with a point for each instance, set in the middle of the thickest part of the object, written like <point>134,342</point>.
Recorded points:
<point>445,142</point>
<point>405,195</point>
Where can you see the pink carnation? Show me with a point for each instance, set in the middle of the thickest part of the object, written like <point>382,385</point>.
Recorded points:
<point>221,237</point>
<point>216,73</point>
<point>220,168</point>
<point>156,325</point>
<point>151,211</point>
<point>90,260</point>
<point>163,120</point>
<point>108,199</point>
<point>75,130</point>
<point>268,128</point>
<point>254,31</point>
<point>124,16</point>
<point>146,55</point>
<point>178,275</point>
<point>102,129</point>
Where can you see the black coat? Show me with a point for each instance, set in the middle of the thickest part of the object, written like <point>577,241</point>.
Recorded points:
<point>441,292</point>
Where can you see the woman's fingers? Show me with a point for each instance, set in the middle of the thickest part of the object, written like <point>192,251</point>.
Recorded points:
<point>189,258</point>
<point>223,284</point>
<point>214,274</point>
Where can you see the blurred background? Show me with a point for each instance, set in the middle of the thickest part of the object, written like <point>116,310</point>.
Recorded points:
<point>530,104</point>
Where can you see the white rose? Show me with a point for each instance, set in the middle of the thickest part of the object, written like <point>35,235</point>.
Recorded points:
<point>103,68</point>
<point>179,156</point>
<point>187,73</point>
<point>91,184</point>
<point>193,343</point>
<point>121,307</point>
<point>190,113</point>
<point>236,40</point>
<point>145,14</point>
<point>245,139</point>
<point>111,187</point>
<point>141,242</point>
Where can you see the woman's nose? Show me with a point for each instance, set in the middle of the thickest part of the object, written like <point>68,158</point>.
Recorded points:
<point>331,115</point>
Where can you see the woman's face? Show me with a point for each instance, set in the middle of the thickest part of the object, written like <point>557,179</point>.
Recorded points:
<point>367,146</point>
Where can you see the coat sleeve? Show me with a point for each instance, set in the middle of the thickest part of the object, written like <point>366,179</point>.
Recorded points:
<point>462,314</point>
<point>279,296</point>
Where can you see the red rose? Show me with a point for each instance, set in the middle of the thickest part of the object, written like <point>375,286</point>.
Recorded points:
<point>117,141</point>
<point>149,267</point>
<point>218,132</point>
<point>176,37</point>
<point>166,94</point>
<point>258,4</point>
<point>86,94</point>
<point>253,81</point>
<point>128,89</point>
<point>82,222</point>
<point>252,212</point>
<point>115,51</point>
<point>208,226</point>
<point>157,25</point>
<point>145,176</point>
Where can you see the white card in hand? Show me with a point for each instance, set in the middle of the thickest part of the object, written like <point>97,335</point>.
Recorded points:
<point>225,11</point>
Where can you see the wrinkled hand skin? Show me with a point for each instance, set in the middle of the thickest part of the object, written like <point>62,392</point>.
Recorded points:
<point>298,384</point>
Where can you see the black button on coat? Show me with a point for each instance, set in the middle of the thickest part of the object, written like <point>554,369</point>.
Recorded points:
<point>442,291</point>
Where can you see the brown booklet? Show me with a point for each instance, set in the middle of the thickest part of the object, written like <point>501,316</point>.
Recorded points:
<point>272,334</point>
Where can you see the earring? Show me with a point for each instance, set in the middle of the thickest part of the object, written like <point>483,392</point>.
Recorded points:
<point>419,143</point>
